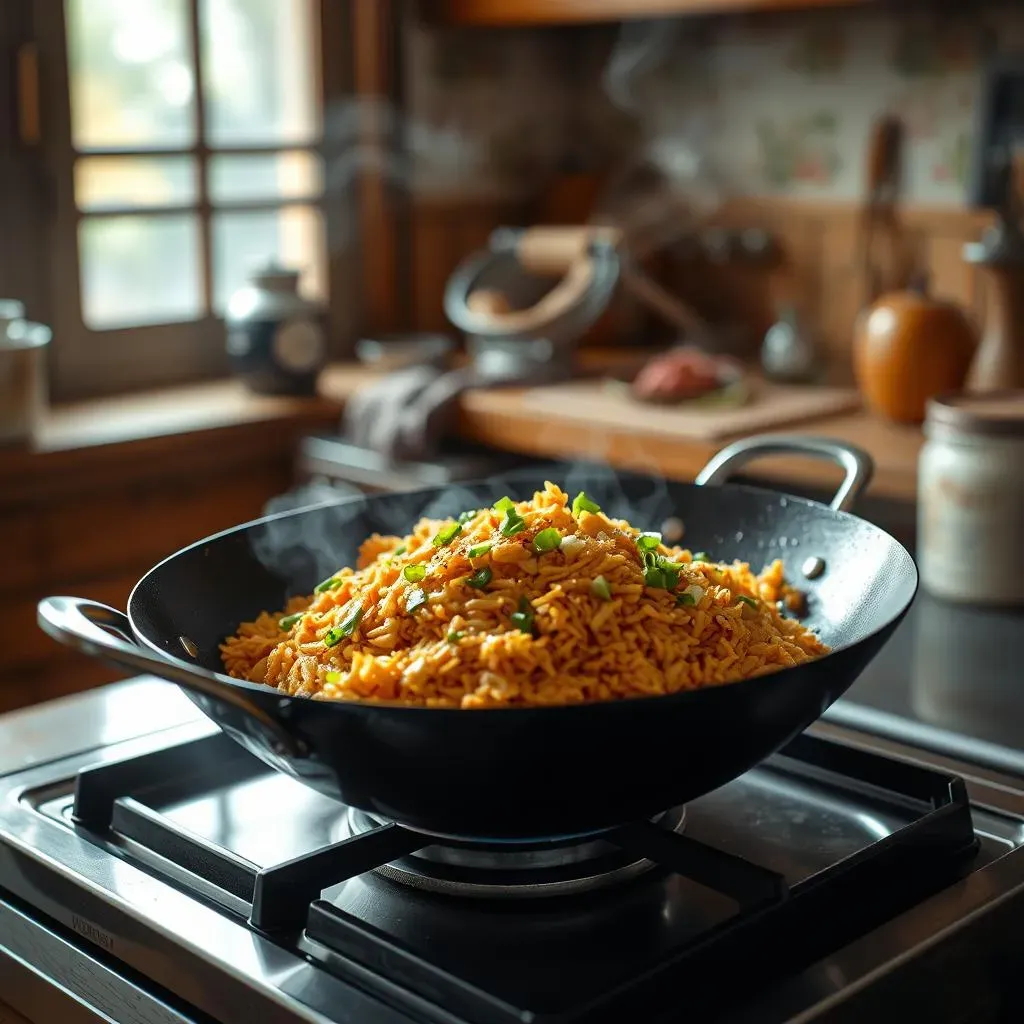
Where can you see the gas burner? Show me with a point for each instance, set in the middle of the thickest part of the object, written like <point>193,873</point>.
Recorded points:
<point>555,867</point>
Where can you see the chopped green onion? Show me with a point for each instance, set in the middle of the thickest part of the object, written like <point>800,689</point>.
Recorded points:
<point>331,583</point>
<point>671,575</point>
<point>333,677</point>
<point>347,628</point>
<point>584,503</point>
<point>648,559</point>
<point>480,578</point>
<point>523,618</point>
<point>685,598</point>
<point>748,601</point>
<point>414,573</point>
<point>288,621</point>
<point>454,637</point>
<point>464,517</point>
<point>648,541</point>
<point>701,556</point>
<point>416,597</point>
<point>447,534</point>
<point>480,549</point>
<point>512,523</point>
<point>401,549</point>
<point>655,577</point>
<point>503,504</point>
<point>599,588</point>
<point>547,540</point>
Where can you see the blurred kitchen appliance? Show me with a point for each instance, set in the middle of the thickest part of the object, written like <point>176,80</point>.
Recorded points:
<point>519,317</point>
<point>23,387</point>
<point>329,467</point>
<point>276,339</point>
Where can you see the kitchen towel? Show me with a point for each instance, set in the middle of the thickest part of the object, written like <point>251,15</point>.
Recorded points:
<point>405,415</point>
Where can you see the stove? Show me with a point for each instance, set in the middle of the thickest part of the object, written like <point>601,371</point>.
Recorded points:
<point>153,871</point>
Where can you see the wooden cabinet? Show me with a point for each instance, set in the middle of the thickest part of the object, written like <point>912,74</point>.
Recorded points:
<point>565,12</point>
<point>89,519</point>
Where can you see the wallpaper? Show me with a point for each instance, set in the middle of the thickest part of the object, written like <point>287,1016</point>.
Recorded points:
<point>775,105</point>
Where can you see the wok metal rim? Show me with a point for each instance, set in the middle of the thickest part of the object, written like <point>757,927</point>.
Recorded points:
<point>592,708</point>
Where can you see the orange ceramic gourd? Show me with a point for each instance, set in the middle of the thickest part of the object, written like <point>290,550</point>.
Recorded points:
<point>908,347</point>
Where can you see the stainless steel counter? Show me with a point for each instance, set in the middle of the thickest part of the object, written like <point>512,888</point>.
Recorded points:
<point>948,671</point>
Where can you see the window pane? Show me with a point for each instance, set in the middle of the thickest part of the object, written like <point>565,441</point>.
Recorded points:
<point>113,182</point>
<point>130,73</point>
<point>261,76</point>
<point>293,175</point>
<point>139,270</point>
<point>243,242</point>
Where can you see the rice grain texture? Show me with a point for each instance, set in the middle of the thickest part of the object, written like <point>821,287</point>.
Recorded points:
<point>493,612</point>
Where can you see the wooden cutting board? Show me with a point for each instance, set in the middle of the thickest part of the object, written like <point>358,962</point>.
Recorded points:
<point>769,406</point>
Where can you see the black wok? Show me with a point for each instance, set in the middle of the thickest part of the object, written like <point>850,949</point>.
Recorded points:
<point>516,773</point>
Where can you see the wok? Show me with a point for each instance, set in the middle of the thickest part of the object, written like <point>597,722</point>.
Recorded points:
<point>516,773</point>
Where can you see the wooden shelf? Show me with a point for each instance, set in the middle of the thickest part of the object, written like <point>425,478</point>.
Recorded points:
<point>508,13</point>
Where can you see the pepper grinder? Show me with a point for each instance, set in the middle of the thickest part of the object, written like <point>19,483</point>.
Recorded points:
<point>999,361</point>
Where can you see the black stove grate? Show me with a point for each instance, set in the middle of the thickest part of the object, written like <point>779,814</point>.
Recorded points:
<point>629,952</point>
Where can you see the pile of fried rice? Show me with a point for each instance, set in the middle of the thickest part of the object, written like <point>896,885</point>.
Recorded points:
<point>540,602</point>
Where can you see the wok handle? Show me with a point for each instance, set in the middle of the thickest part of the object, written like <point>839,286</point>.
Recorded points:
<point>859,466</point>
<point>101,631</point>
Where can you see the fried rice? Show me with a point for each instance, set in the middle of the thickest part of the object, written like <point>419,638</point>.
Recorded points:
<point>540,602</point>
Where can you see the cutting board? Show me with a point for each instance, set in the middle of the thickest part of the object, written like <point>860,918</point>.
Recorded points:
<point>770,405</point>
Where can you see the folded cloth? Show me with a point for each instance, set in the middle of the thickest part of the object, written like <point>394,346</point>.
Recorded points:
<point>406,415</point>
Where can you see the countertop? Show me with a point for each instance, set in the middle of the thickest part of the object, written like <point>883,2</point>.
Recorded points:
<point>948,669</point>
<point>98,438</point>
<point>502,418</point>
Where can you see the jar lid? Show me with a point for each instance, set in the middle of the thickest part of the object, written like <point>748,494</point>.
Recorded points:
<point>988,414</point>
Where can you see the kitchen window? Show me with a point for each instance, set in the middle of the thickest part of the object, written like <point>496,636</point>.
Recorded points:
<point>182,140</point>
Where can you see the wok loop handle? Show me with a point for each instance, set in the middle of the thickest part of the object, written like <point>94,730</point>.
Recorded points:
<point>859,466</point>
<point>101,631</point>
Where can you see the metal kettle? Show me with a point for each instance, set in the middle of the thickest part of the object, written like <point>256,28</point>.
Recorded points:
<point>276,338</point>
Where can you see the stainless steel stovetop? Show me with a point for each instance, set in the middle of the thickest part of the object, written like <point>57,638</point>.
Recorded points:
<point>151,871</point>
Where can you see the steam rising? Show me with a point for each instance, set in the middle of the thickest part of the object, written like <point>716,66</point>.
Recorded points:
<point>304,545</point>
<point>653,197</point>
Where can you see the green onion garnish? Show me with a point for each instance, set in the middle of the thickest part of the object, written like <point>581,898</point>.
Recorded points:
<point>503,504</point>
<point>701,556</point>
<point>512,523</point>
<point>464,517</point>
<point>447,534</point>
<point>671,574</point>
<point>288,621</point>
<point>480,578</point>
<point>599,588</point>
<point>547,540</point>
<point>648,541</point>
<point>454,637</point>
<point>416,597</point>
<point>347,628</point>
<point>743,599</point>
<point>523,618</point>
<point>401,549</point>
<point>584,503</point>
<point>479,549</point>
<point>685,598</point>
<point>333,677</point>
<point>414,573</point>
<point>331,583</point>
<point>655,577</point>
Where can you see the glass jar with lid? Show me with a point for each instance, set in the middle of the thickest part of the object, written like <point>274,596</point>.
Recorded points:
<point>971,498</point>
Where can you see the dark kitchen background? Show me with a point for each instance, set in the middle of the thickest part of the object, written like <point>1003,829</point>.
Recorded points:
<point>155,156</point>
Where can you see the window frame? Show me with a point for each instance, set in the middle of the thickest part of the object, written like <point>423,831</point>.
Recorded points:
<point>85,363</point>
